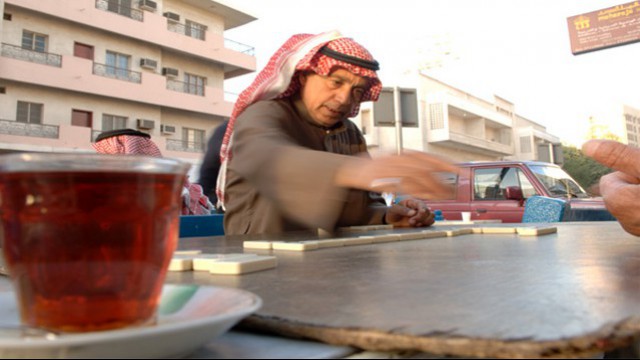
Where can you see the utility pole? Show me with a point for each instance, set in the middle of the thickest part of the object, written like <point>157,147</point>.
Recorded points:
<point>398,119</point>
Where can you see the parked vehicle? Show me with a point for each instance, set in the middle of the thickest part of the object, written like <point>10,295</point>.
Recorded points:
<point>498,190</point>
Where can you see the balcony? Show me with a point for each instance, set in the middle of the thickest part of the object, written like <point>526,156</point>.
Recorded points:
<point>240,47</point>
<point>480,131</point>
<point>44,58</point>
<point>79,75</point>
<point>117,73</point>
<point>11,127</point>
<point>183,87</point>
<point>18,136</point>
<point>191,31</point>
<point>116,7</point>
<point>186,146</point>
<point>235,58</point>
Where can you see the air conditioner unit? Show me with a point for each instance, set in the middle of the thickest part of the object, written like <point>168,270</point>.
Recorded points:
<point>146,124</point>
<point>148,5</point>
<point>172,16</point>
<point>167,129</point>
<point>148,63</point>
<point>167,71</point>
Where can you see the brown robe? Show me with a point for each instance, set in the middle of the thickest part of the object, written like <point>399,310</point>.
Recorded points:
<point>280,177</point>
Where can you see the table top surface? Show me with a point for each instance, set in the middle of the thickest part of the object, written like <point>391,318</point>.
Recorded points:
<point>572,293</point>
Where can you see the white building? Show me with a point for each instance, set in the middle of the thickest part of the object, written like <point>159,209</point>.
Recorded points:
<point>441,119</point>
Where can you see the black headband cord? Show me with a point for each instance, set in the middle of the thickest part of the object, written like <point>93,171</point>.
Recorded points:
<point>371,65</point>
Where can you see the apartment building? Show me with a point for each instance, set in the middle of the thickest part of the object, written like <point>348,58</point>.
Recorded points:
<point>72,69</point>
<point>423,113</point>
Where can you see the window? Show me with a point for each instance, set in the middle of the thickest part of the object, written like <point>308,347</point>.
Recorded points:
<point>527,187</point>
<point>193,138</point>
<point>118,64</point>
<point>525,144</point>
<point>409,107</point>
<point>194,84</point>
<point>81,118</point>
<point>383,114</point>
<point>7,16</point>
<point>194,29</point>
<point>491,184</point>
<point>83,51</point>
<point>436,116</point>
<point>29,112</point>
<point>34,41</point>
<point>113,122</point>
<point>122,7</point>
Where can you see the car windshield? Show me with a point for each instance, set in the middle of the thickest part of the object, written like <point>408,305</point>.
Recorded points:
<point>558,182</point>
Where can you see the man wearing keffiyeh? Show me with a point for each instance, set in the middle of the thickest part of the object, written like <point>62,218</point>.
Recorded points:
<point>292,160</point>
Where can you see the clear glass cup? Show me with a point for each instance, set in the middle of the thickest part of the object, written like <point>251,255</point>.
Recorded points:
<point>88,238</point>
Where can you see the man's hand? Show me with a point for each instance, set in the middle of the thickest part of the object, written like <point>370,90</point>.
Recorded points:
<point>409,213</point>
<point>620,189</point>
<point>411,173</point>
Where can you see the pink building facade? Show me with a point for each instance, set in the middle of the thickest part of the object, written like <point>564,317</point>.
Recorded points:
<point>72,69</point>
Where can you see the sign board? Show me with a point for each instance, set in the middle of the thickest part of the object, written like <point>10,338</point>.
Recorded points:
<point>614,26</point>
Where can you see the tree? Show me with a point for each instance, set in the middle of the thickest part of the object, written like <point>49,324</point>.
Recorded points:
<point>584,170</point>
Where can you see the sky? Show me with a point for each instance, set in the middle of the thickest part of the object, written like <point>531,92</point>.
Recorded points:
<point>516,49</point>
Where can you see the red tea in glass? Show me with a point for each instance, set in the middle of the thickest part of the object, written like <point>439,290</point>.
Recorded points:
<point>88,244</point>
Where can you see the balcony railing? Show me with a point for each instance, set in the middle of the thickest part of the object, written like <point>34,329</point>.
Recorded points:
<point>230,96</point>
<point>240,47</point>
<point>184,87</point>
<point>187,146</point>
<point>192,31</point>
<point>115,7</point>
<point>117,73</point>
<point>19,53</point>
<point>11,127</point>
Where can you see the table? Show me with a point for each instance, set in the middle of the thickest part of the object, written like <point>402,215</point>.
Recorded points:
<point>574,293</point>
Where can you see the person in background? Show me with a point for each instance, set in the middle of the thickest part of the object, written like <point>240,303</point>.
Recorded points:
<point>292,160</point>
<point>620,189</point>
<point>134,142</point>
<point>211,163</point>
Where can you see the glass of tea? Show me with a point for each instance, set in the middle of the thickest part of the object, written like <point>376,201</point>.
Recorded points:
<point>88,238</point>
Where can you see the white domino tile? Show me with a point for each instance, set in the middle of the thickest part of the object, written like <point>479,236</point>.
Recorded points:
<point>536,231</point>
<point>329,243</point>
<point>239,266</point>
<point>362,240</point>
<point>498,230</point>
<point>181,262</point>
<point>204,262</point>
<point>296,246</point>
<point>257,244</point>
<point>429,234</point>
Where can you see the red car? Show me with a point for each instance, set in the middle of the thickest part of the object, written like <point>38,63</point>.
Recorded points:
<point>499,189</point>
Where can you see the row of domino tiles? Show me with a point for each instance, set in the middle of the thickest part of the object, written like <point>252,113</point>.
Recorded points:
<point>243,263</point>
<point>308,245</point>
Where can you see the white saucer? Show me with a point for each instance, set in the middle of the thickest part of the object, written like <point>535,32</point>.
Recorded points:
<point>189,316</point>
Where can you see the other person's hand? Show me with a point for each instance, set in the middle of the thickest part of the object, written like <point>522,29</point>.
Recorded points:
<point>620,189</point>
<point>409,213</point>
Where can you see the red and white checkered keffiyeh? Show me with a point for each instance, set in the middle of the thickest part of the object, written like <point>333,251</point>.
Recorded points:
<point>130,143</point>
<point>277,80</point>
<point>127,144</point>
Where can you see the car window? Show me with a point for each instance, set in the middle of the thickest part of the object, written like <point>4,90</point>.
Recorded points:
<point>527,187</point>
<point>491,183</point>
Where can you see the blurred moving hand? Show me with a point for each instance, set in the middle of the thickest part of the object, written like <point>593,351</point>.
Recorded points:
<point>412,173</point>
<point>620,189</point>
